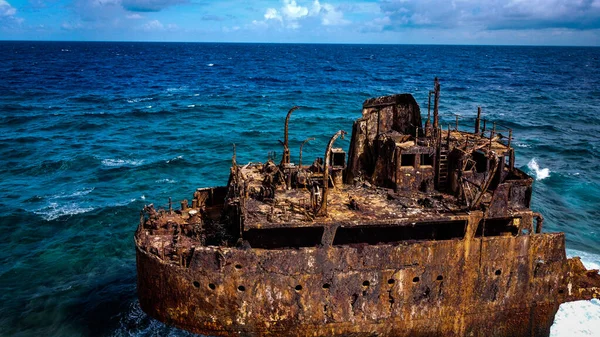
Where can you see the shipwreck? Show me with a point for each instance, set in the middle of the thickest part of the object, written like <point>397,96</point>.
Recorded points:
<point>418,230</point>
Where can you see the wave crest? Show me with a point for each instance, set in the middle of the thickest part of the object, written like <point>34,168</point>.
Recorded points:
<point>54,210</point>
<point>540,174</point>
<point>109,162</point>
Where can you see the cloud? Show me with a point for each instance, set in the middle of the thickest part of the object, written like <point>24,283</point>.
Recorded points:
<point>492,14</point>
<point>272,14</point>
<point>8,16</point>
<point>71,25</point>
<point>536,14</point>
<point>376,25</point>
<point>292,11</point>
<point>110,15</point>
<point>98,11</point>
<point>149,5</point>
<point>423,14</point>
<point>292,14</point>
<point>155,25</point>
<point>330,16</point>
<point>6,10</point>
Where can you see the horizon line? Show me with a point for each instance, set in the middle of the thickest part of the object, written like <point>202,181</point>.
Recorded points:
<point>310,43</point>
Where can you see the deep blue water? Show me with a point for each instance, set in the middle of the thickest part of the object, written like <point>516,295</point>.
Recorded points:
<point>90,132</point>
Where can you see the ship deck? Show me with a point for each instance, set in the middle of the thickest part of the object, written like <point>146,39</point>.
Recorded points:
<point>371,205</point>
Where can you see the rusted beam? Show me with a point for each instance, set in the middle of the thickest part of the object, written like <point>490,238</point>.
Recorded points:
<point>436,102</point>
<point>323,209</point>
<point>301,146</point>
<point>285,158</point>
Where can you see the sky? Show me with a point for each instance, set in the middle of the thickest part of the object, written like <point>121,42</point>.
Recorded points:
<point>513,22</point>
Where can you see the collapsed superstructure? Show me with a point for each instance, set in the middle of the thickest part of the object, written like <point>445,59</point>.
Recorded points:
<point>421,231</point>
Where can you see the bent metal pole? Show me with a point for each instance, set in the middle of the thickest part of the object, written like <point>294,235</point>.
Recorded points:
<point>323,209</point>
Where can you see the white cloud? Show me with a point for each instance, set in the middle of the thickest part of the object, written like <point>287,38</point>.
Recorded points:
<point>6,9</point>
<point>272,14</point>
<point>153,25</point>
<point>156,25</point>
<point>292,14</point>
<point>134,16</point>
<point>260,24</point>
<point>292,11</point>
<point>71,25</point>
<point>493,14</point>
<point>330,16</point>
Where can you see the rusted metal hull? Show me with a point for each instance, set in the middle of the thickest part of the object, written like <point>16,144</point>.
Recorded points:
<point>497,286</point>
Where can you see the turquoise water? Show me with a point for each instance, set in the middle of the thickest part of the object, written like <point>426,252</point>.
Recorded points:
<point>90,132</point>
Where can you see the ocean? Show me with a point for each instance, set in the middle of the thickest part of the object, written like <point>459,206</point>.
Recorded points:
<point>91,132</point>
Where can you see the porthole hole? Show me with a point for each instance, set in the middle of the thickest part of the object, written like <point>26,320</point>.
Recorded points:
<point>211,286</point>
<point>391,281</point>
<point>196,284</point>
<point>298,288</point>
<point>440,277</point>
<point>498,272</point>
<point>242,288</point>
<point>561,291</point>
<point>326,285</point>
<point>238,266</point>
<point>366,283</point>
<point>416,279</point>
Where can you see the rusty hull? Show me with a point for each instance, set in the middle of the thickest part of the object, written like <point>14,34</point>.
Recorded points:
<point>420,232</point>
<point>500,286</point>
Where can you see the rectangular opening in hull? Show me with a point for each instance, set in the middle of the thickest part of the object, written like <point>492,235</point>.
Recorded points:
<point>407,160</point>
<point>426,159</point>
<point>373,235</point>
<point>496,227</point>
<point>273,238</point>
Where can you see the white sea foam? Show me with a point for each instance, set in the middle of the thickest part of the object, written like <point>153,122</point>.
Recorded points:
<point>210,64</point>
<point>55,210</point>
<point>523,145</point>
<point>123,203</point>
<point>174,159</point>
<point>137,100</point>
<point>165,181</point>
<point>191,106</point>
<point>539,173</point>
<point>181,88</point>
<point>581,318</point>
<point>121,162</point>
<point>143,197</point>
<point>78,193</point>
<point>135,322</point>
<point>574,319</point>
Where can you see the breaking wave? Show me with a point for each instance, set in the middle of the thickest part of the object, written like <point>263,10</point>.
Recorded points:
<point>166,181</point>
<point>55,210</point>
<point>575,319</point>
<point>121,162</point>
<point>135,322</point>
<point>540,174</point>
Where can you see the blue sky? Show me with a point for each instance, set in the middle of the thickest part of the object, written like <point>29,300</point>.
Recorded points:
<point>530,22</point>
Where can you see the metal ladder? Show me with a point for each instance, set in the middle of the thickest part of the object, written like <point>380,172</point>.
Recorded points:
<point>443,172</point>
